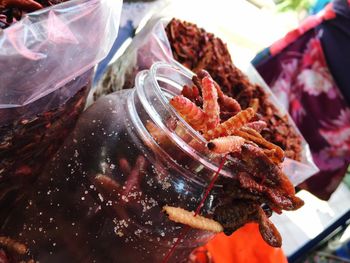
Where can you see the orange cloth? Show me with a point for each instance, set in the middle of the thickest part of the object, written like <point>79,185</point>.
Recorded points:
<point>244,246</point>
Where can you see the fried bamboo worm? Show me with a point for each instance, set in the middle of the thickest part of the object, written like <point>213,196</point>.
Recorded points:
<point>190,112</point>
<point>227,102</point>
<point>157,134</point>
<point>106,185</point>
<point>124,166</point>
<point>133,179</point>
<point>13,245</point>
<point>231,125</point>
<point>254,103</point>
<point>226,144</point>
<point>192,94</point>
<point>185,217</point>
<point>261,141</point>
<point>210,103</point>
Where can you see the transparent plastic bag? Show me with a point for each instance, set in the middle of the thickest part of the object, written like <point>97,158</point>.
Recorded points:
<point>152,45</point>
<point>48,48</point>
<point>148,46</point>
<point>46,65</point>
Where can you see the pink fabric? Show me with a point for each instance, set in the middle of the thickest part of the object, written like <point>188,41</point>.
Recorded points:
<point>306,25</point>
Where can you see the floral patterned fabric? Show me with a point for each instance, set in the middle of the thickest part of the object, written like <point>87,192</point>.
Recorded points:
<point>300,77</point>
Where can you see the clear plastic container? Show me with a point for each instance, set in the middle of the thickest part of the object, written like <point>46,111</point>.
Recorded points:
<point>101,198</point>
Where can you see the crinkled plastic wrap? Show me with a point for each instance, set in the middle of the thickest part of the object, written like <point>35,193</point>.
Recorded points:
<point>46,65</point>
<point>296,171</point>
<point>50,47</point>
<point>151,45</point>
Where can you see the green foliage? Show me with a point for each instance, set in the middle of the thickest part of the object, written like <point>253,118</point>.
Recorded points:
<point>294,5</point>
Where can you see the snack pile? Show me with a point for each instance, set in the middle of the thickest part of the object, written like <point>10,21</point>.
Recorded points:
<point>258,186</point>
<point>197,49</point>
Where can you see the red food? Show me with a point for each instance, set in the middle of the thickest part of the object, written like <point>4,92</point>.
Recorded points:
<point>227,144</point>
<point>210,103</point>
<point>259,186</point>
<point>190,112</point>
<point>197,49</point>
<point>228,127</point>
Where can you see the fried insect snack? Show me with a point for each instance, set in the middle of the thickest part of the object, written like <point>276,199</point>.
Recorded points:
<point>197,49</point>
<point>259,185</point>
<point>226,144</point>
<point>231,125</point>
<point>13,245</point>
<point>183,216</point>
<point>190,112</point>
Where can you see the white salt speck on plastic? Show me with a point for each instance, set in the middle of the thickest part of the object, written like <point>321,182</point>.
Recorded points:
<point>138,232</point>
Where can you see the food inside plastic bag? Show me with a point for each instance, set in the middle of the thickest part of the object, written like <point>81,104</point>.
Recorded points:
<point>12,11</point>
<point>46,62</point>
<point>196,49</point>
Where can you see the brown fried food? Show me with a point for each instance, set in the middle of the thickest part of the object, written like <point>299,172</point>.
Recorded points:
<point>180,215</point>
<point>268,230</point>
<point>259,165</point>
<point>257,125</point>
<point>273,195</point>
<point>258,186</point>
<point>240,212</point>
<point>254,103</point>
<point>197,49</point>
<point>13,245</point>
<point>227,103</point>
<point>258,139</point>
<point>231,125</point>
<point>190,112</point>
<point>210,103</point>
<point>226,144</point>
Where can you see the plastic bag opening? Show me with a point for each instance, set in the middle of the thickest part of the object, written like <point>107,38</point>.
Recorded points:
<point>50,47</point>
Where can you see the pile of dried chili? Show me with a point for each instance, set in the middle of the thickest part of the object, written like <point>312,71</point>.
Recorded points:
<point>196,49</point>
